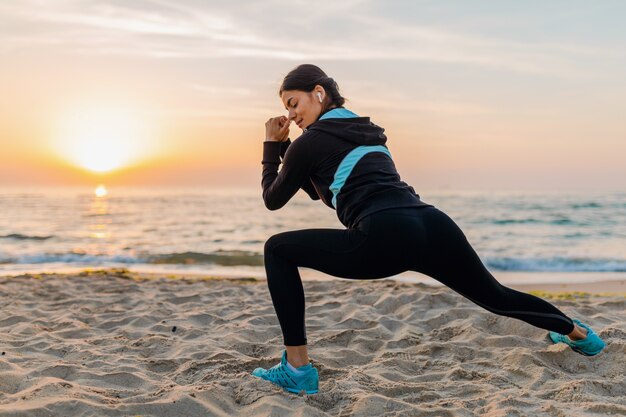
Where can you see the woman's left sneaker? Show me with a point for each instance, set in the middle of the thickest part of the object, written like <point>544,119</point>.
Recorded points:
<point>306,379</point>
<point>589,346</point>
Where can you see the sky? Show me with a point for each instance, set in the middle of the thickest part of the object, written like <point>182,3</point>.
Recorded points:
<point>473,95</point>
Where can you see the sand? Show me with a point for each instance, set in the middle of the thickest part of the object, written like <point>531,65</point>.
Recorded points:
<point>115,343</point>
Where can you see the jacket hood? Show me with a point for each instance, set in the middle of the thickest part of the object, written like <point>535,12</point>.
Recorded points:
<point>359,130</point>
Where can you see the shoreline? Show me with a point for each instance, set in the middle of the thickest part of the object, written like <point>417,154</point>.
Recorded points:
<point>612,287</point>
<point>599,288</point>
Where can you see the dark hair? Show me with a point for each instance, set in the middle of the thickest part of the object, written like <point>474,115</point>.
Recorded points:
<point>305,77</point>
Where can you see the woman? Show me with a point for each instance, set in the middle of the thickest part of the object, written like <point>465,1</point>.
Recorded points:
<point>341,159</point>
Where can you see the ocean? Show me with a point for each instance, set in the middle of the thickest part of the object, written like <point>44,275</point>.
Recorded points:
<point>214,231</point>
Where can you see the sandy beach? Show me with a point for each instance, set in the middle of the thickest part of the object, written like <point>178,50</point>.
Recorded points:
<point>116,343</point>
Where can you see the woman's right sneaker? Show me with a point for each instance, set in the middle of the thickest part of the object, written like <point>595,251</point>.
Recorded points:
<point>306,379</point>
<point>589,346</point>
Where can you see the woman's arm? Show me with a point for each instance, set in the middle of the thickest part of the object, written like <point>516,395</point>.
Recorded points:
<point>279,187</point>
<point>308,185</point>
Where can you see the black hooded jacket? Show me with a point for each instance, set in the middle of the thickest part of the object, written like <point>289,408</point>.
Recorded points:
<point>310,163</point>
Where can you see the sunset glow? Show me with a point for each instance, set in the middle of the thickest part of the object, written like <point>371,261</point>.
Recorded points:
<point>471,95</point>
<point>101,139</point>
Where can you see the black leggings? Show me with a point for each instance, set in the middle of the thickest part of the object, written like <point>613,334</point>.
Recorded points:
<point>385,243</point>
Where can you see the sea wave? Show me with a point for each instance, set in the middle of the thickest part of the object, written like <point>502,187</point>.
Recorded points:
<point>68,258</point>
<point>234,258</point>
<point>19,236</point>
<point>556,264</point>
<point>220,257</point>
<point>564,221</point>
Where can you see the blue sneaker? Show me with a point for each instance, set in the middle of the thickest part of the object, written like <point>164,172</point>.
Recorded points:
<point>281,375</point>
<point>589,346</point>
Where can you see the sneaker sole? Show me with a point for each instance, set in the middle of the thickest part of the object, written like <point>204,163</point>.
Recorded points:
<point>585,353</point>
<point>298,391</point>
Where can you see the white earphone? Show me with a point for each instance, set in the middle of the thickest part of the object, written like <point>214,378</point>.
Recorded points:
<point>320,96</point>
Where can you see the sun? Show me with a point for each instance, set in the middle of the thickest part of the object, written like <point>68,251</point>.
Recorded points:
<point>101,191</point>
<point>102,139</point>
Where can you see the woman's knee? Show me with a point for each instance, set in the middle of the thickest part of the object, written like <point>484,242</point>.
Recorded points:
<point>272,243</point>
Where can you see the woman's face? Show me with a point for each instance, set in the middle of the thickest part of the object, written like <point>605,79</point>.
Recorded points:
<point>304,108</point>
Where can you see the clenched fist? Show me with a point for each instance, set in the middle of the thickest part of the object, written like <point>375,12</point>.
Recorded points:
<point>277,129</point>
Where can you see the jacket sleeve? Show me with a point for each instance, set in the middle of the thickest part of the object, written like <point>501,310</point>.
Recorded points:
<point>279,187</point>
<point>308,184</point>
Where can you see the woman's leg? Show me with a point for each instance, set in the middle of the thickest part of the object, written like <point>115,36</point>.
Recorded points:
<point>363,252</point>
<point>387,243</point>
<point>450,259</point>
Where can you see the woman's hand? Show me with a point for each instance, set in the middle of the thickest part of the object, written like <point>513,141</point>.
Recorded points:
<point>277,129</point>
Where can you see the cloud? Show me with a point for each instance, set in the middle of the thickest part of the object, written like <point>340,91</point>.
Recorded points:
<point>342,31</point>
